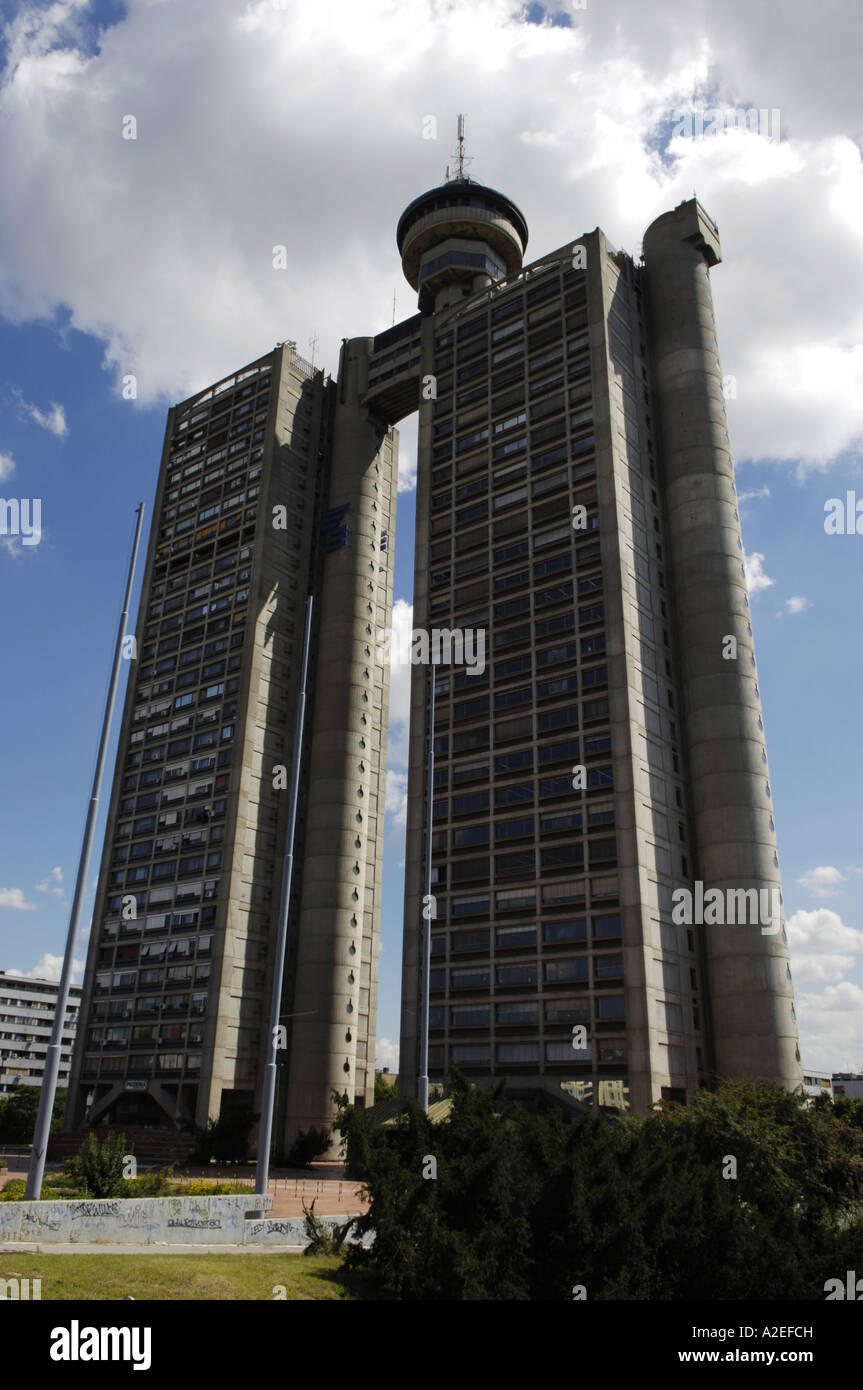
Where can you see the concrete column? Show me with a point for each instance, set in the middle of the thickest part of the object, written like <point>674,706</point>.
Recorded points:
<point>749,977</point>
<point>344,820</point>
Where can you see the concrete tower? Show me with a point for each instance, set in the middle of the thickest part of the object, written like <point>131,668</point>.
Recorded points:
<point>458,239</point>
<point>335,991</point>
<point>573,478</point>
<point>752,1003</point>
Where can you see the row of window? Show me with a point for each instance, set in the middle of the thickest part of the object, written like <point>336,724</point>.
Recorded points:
<point>149,1035</point>
<point>560,894</point>
<point>210,417</point>
<point>181,895</point>
<point>165,1062</point>
<point>472,803</point>
<point>173,1004</point>
<point>128,980</point>
<point>523,863</point>
<point>479,1054</point>
<point>604,927</point>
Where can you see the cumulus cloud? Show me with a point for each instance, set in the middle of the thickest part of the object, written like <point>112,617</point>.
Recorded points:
<point>831,1027</point>
<point>52,883</point>
<point>407,457</point>
<point>822,946</point>
<point>14,897</point>
<point>400,684</point>
<point>797,605</point>
<point>168,238</point>
<point>50,968</point>
<point>822,881</point>
<point>756,577</point>
<point>7,466</point>
<point>753,494</point>
<point>53,420</point>
<point>397,797</point>
<point>387,1054</point>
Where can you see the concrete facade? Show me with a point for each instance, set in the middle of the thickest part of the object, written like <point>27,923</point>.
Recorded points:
<point>576,505</point>
<point>291,490</point>
<point>27,1008</point>
<point>148,1221</point>
<point>751,994</point>
<point>596,389</point>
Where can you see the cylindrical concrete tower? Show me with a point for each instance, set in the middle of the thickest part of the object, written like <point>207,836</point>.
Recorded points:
<point>458,238</point>
<point>334,1002</point>
<point>752,1005</point>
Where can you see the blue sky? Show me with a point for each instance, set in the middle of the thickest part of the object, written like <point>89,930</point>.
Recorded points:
<point>154,257</point>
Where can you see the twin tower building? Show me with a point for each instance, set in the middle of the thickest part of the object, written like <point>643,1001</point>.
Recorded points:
<point>602,837</point>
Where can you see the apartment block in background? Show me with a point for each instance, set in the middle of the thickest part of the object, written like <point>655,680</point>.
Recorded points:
<point>27,1008</point>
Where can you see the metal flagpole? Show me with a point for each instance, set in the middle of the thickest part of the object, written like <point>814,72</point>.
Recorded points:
<point>52,1056</point>
<point>423,1085</point>
<point>268,1097</point>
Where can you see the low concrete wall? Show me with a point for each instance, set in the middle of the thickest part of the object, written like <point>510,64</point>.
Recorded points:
<point>291,1230</point>
<point>148,1221</point>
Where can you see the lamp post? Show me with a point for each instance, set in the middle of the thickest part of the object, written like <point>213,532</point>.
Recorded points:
<point>423,1083</point>
<point>52,1056</point>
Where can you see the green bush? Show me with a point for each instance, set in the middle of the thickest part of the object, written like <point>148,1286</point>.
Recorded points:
<point>98,1167</point>
<point>526,1206</point>
<point>227,1139</point>
<point>155,1183</point>
<point>200,1187</point>
<point>308,1145</point>
<point>13,1190</point>
<point>18,1112</point>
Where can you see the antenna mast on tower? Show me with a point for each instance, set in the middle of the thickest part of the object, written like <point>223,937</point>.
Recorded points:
<point>461,159</point>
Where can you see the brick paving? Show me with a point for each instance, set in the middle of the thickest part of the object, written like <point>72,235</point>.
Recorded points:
<point>334,1193</point>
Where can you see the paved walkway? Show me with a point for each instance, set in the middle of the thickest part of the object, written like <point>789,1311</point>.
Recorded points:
<point>333,1193</point>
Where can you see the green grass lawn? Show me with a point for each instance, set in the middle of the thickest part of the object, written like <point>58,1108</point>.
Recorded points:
<point>188,1277</point>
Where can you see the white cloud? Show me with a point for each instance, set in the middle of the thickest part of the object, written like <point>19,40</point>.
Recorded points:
<point>407,456</point>
<point>49,968</point>
<point>13,897</point>
<point>822,946</point>
<point>831,1027</point>
<point>400,685</point>
<point>797,605</point>
<point>397,796</point>
<point>753,494</point>
<point>52,420</point>
<point>756,578</point>
<point>822,881</point>
<point>387,1054</point>
<point>52,883</point>
<point>570,121</point>
<point>7,466</point>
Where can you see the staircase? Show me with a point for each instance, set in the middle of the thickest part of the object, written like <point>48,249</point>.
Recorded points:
<point>158,1146</point>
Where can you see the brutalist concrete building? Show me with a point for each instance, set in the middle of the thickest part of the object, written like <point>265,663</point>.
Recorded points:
<point>576,505</point>
<point>576,500</point>
<point>275,482</point>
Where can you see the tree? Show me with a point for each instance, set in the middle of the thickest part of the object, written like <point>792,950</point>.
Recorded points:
<point>227,1138</point>
<point>308,1145</point>
<point>383,1089</point>
<point>18,1112</point>
<point>98,1167</point>
<point>529,1206</point>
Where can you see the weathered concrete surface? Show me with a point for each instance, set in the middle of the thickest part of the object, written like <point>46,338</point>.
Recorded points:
<point>148,1221</point>
<point>291,1230</point>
